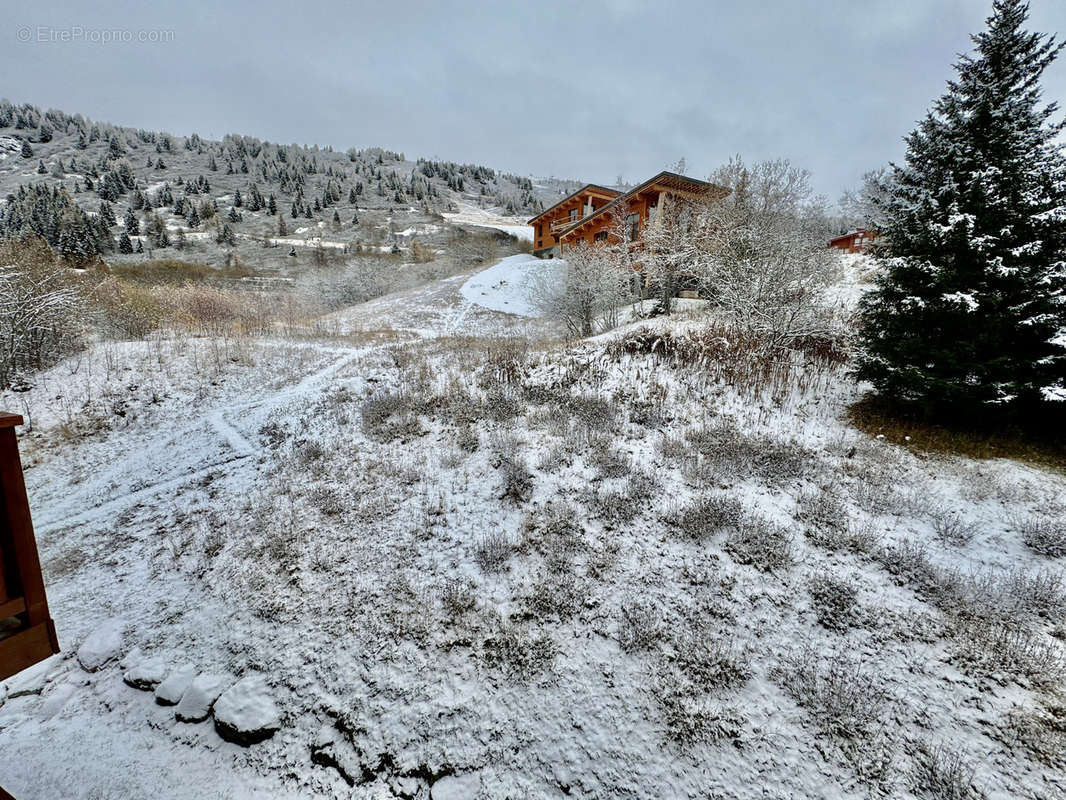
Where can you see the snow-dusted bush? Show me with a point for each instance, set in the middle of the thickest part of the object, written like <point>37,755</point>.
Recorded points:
<point>847,702</point>
<point>835,601</point>
<point>41,310</point>
<point>712,663</point>
<point>492,551</point>
<point>637,495</point>
<point>761,544</point>
<point>708,515</point>
<point>639,625</point>
<point>1005,650</point>
<point>945,774</point>
<point>952,528</point>
<point>1041,730</point>
<point>1045,536</point>
<point>556,593</point>
<point>519,651</point>
<point>761,252</point>
<point>552,529</point>
<point>586,292</point>
<point>457,597</point>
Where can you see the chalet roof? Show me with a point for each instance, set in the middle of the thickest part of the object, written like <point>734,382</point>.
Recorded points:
<point>856,232</point>
<point>605,189</point>
<point>669,179</point>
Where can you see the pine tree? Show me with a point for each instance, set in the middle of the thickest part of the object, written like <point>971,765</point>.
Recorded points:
<point>237,201</point>
<point>107,214</point>
<point>125,246</point>
<point>969,313</point>
<point>27,151</point>
<point>133,227</point>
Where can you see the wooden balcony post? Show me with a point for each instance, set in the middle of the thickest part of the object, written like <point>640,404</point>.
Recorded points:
<point>22,594</point>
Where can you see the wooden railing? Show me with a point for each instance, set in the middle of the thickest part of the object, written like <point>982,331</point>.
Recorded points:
<point>27,633</point>
<point>559,224</point>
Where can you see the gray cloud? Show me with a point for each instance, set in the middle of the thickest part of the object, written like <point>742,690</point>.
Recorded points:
<point>586,91</point>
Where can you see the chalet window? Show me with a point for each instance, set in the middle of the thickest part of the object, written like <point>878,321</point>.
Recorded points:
<point>633,224</point>
<point>600,237</point>
<point>573,215</point>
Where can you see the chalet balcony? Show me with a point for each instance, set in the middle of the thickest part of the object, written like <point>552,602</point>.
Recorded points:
<point>559,225</point>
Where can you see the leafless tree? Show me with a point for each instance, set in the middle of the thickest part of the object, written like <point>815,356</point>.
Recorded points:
<point>762,255</point>
<point>586,291</point>
<point>40,314</point>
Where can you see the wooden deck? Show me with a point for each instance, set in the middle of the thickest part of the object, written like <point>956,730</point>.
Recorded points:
<point>32,636</point>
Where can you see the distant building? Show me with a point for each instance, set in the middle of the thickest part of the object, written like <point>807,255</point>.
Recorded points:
<point>854,241</point>
<point>587,215</point>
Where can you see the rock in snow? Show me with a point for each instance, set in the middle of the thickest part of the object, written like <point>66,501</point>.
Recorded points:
<point>147,674</point>
<point>169,692</point>
<point>202,693</point>
<point>246,713</point>
<point>455,787</point>
<point>102,645</point>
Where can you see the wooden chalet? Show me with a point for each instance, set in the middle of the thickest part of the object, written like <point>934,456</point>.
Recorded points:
<point>27,633</point>
<point>589,214</point>
<point>548,225</point>
<point>854,241</point>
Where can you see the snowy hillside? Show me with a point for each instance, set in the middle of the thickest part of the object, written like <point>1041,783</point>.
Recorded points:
<point>459,559</point>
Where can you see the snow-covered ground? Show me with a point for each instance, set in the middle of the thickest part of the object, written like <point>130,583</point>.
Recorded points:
<point>488,218</point>
<point>466,561</point>
<point>506,286</point>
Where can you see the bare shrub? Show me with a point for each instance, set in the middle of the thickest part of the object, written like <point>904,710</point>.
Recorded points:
<point>607,460</point>
<point>909,561</point>
<point>41,310</point>
<point>503,404</point>
<point>952,528</point>
<point>593,414</point>
<point>824,513</point>
<point>328,501</point>
<point>504,363</point>
<point>556,594</point>
<point>845,701</point>
<point>746,362</point>
<point>761,544</point>
<point>835,602</point>
<point>1004,650</point>
<point>517,479</point>
<point>712,663</point>
<point>942,773</point>
<point>553,529</point>
<point>467,439</point>
<point>616,506</point>
<point>1047,537</point>
<point>520,652</point>
<point>457,597</point>
<point>1041,731</point>
<point>708,515</point>
<point>690,717</point>
<point>732,452</point>
<point>583,292</point>
<point>493,551</point>
<point>380,413</point>
<point>638,625</point>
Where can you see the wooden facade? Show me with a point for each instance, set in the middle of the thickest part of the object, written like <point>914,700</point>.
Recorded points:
<point>27,633</point>
<point>592,213</point>
<point>549,225</point>
<point>854,241</point>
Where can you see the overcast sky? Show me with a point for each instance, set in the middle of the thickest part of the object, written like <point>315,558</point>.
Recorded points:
<point>587,90</point>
